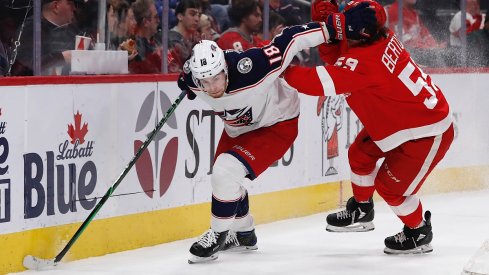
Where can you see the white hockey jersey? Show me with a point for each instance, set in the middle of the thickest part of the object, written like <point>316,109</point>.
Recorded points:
<point>256,95</point>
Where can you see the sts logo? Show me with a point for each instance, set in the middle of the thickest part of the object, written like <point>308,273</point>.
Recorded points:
<point>73,164</point>
<point>4,180</point>
<point>149,168</point>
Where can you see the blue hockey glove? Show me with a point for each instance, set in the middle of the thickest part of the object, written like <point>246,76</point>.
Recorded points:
<point>352,24</point>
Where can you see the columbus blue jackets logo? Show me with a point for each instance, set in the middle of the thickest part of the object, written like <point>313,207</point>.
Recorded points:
<point>245,65</point>
<point>237,117</point>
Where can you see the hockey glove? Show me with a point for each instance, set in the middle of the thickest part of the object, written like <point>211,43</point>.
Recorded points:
<point>183,86</point>
<point>321,9</point>
<point>353,23</point>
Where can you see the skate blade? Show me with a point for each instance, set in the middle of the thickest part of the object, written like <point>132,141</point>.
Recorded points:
<point>427,248</point>
<point>196,259</point>
<point>241,249</point>
<point>357,227</point>
<point>34,263</point>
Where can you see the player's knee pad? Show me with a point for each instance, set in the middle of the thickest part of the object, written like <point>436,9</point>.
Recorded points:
<point>360,162</point>
<point>227,177</point>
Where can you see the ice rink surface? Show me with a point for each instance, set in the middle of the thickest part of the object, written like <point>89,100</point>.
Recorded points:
<point>302,246</point>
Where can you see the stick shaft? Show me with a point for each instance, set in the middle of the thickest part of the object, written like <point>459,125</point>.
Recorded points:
<point>120,178</point>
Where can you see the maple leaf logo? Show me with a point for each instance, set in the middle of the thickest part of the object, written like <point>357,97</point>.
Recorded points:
<point>76,132</point>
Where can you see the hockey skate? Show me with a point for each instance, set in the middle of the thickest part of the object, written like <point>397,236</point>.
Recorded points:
<point>411,241</point>
<point>207,247</point>
<point>357,217</point>
<point>240,241</point>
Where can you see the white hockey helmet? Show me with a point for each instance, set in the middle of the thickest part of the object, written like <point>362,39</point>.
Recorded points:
<point>207,60</point>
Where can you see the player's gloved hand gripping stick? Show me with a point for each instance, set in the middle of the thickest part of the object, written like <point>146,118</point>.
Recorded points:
<point>183,86</point>
<point>31,262</point>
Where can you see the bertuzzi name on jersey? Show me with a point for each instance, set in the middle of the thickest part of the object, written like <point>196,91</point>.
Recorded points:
<point>392,53</point>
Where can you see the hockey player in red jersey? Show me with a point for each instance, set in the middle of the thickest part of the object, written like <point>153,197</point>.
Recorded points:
<point>260,114</point>
<point>407,123</point>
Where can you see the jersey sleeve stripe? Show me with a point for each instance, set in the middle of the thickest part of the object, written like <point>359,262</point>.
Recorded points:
<point>280,68</point>
<point>309,32</point>
<point>292,49</point>
<point>325,32</point>
<point>326,81</point>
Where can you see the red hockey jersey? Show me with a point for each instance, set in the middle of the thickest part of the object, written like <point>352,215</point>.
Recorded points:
<point>394,99</point>
<point>232,39</point>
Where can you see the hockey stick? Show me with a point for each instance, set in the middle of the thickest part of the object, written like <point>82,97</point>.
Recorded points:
<point>31,262</point>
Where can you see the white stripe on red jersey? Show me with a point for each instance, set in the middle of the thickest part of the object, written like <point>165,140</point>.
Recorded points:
<point>394,99</point>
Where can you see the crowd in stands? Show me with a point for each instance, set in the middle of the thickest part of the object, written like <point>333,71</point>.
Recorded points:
<point>431,29</point>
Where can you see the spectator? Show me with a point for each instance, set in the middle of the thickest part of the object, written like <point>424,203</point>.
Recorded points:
<point>218,13</point>
<point>3,60</point>
<point>148,59</point>
<point>473,22</point>
<point>57,39</point>
<point>185,34</point>
<point>172,18</point>
<point>9,22</point>
<point>122,24</point>
<point>286,9</point>
<point>86,11</point>
<point>206,30</point>
<point>478,47</point>
<point>414,32</point>
<point>276,24</point>
<point>247,17</point>
<point>128,24</point>
<point>112,22</point>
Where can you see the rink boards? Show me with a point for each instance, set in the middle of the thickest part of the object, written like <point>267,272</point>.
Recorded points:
<point>63,141</point>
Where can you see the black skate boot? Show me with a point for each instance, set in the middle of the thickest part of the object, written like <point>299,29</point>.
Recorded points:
<point>357,217</point>
<point>206,248</point>
<point>241,241</point>
<point>411,241</point>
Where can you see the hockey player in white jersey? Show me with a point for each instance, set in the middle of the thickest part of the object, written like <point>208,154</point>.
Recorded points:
<point>260,113</point>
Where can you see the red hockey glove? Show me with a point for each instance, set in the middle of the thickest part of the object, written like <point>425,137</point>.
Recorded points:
<point>352,24</point>
<point>321,9</point>
<point>183,86</point>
